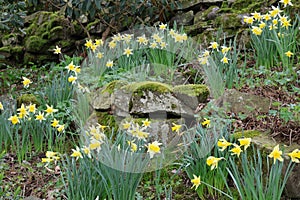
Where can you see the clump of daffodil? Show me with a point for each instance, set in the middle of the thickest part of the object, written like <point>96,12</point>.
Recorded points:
<point>153,148</point>
<point>276,154</point>
<point>196,181</point>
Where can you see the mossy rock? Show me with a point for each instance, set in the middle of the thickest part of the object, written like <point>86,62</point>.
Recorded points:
<point>106,119</point>
<point>246,134</point>
<point>139,87</point>
<point>35,44</point>
<point>228,21</point>
<point>26,99</point>
<point>193,90</point>
<point>112,86</point>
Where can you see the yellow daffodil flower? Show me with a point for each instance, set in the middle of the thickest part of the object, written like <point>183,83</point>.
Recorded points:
<point>127,52</point>
<point>76,153</point>
<point>88,44</point>
<point>72,79</point>
<point>60,128</point>
<point>224,60</point>
<point>256,30</point>
<point>14,119</point>
<point>26,82</point>
<point>110,64</point>
<point>50,110</point>
<point>196,181</point>
<point>213,162</point>
<point>276,154</point>
<point>236,150</point>
<point>40,117</point>
<point>31,108</point>
<point>176,127</point>
<point>245,142</point>
<point>146,123</point>
<point>223,143</point>
<point>286,2</point>
<point>132,145</point>
<point>206,123</point>
<point>1,106</point>
<point>57,50</point>
<point>54,123</point>
<point>153,148</point>
<point>214,45</point>
<point>162,26</point>
<point>99,55</point>
<point>295,155</point>
<point>288,54</point>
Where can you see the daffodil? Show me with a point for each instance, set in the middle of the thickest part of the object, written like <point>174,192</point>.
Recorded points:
<point>288,54</point>
<point>127,52</point>
<point>223,143</point>
<point>60,128</point>
<point>14,119</point>
<point>55,123</point>
<point>286,24</point>
<point>206,53</point>
<point>213,162</point>
<point>286,2</point>
<point>257,16</point>
<point>76,153</point>
<point>112,44</point>
<point>72,79</point>
<point>98,42</point>
<point>89,43</point>
<point>70,67</point>
<point>132,145</point>
<point>295,155</point>
<point>153,45</point>
<point>256,30</point>
<point>86,150</point>
<point>57,50</point>
<point>126,125</point>
<point>205,123</point>
<point>110,64</point>
<point>153,148</point>
<point>262,25</point>
<point>236,150</point>
<point>50,110</point>
<point>214,45</point>
<point>203,61</point>
<point>225,49</point>
<point>267,17</point>
<point>245,142</point>
<point>224,60</point>
<point>26,82</point>
<point>22,111</point>
<point>142,40</point>
<point>99,55</point>
<point>95,145</point>
<point>276,11</point>
<point>31,108</point>
<point>196,181</point>
<point>146,123</point>
<point>176,127</point>
<point>47,160</point>
<point>1,106</point>
<point>162,26</point>
<point>276,154</point>
<point>248,20</point>
<point>50,154</point>
<point>163,45</point>
<point>40,117</point>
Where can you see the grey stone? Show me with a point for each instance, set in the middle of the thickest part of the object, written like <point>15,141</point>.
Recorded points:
<point>184,18</point>
<point>191,3</point>
<point>102,100</point>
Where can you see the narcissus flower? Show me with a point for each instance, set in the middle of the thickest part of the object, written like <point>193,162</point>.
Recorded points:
<point>57,50</point>
<point>142,40</point>
<point>224,60</point>
<point>256,16</point>
<point>153,45</point>
<point>86,150</point>
<point>112,44</point>
<point>223,143</point>
<point>214,45</point>
<point>76,153</point>
<point>276,11</point>
<point>98,42</point>
<point>31,108</point>
<point>146,123</point>
<point>248,20</point>
<point>1,106</point>
<point>60,128</point>
<point>110,64</point>
<point>70,67</point>
<point>176,127</point>
<point>127,52</point>
<point>288,54</point>
<point>132,145</point>
<point>286,2</point>
<point>236,150</point>
<point>295,155</point>
<point>206,123</point>
<point>99,55</point>
<point>14,119</point>
<point>213,162</point>
<point>126,125</point>
<point>162,26</point>
<point>196,181</point>
<point>276,154</point>
<point>72,79</point>
<point>22,111</point>
<point>245,142</point>
<point>54,123</point>
<point>40,117</point>
<point>224,49</point>
<point>163,45</point>
<point>50,110</point>
<point>153,148</point>
<point>256,30</point>
<point>26,82</point>
<point>88,44</point>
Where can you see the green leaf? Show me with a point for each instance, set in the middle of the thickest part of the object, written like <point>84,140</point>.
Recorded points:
<point>98,4</point>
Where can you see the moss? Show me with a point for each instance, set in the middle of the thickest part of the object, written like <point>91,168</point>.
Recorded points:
<point>35,44</point>
<point>228,20</point>
<point>92,24</point>
<point>247,134</point>
<point>56,33</point>
<point>107,119</point>
<point>193,90</point>
<point>139,87</point>
<point>27,99</point>
<point>110,87</point>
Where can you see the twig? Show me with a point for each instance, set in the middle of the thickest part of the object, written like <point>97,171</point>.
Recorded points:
<point>85,30</point>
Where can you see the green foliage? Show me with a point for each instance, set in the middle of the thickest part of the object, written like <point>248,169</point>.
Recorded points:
<point>12,15</point>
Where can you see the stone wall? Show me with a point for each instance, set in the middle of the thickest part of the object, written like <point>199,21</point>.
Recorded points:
<point>201,20</point>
